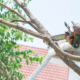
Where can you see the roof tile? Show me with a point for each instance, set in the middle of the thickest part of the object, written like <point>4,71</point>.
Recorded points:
<point>49,72</point>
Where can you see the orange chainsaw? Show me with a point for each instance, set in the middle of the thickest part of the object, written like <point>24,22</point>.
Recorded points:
<point>73,38</point>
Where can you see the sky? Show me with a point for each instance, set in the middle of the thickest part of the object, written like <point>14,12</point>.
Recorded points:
<point>52,14</point>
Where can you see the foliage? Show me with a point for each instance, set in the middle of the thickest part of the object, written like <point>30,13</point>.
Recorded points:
<point>10,56</point>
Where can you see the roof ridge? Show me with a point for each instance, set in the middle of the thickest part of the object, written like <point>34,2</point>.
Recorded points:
<point>32,46</point>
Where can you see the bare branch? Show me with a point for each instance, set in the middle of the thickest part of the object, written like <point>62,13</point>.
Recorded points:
<point>26,10</point>
<point>61,52</point>
<point>28,21</point>
<point>34,26</point>
<point>48,39</point>
<point>42,36</point>
<point>18,20</point>
<point>20,17</point>
<point>71,64</point>
<point>33,19</point>
<point>13,11</point>
<point>28,31</point>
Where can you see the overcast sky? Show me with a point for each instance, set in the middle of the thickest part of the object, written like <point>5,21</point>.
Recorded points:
<point>52,14</point>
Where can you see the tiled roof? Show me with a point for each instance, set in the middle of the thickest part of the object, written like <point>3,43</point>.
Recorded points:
<point>49,72</point>
<point>39,51</point>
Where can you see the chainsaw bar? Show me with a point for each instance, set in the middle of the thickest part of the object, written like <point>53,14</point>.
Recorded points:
<point>58,37</point>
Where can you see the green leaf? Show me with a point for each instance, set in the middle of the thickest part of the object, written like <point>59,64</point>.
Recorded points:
<point>31,59</point>
<point>18,59</point>
<point>27,61</point>
<point>30,51</point>
<point>37,59</point>
<point>10,55</point>
<point>34,58</point>
<point>31,39</point>
<point>20,66</point>
<point>8,34</point>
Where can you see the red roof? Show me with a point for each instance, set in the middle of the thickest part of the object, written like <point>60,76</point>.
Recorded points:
<point>49,72</point>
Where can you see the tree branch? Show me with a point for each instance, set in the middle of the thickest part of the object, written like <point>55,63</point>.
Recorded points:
<point>18,20</point>
<point>28,31</point>
<point>34,26</point>
<point>20,17</point>
<point>27,21</point>
<point>42,36</point>
<point>71,64</point>
<point>61,52</point>
<point>13,11</point>
<point>33,19</point>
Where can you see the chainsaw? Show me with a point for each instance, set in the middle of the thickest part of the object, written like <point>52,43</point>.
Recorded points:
<point>73,38</point>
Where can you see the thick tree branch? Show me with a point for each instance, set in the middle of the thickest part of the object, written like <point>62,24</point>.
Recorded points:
<point>40,26</point>
<point>44,37</point>
<point>70,63</point>
<point>27,21</point>
<point>28,31</point>
<point>13,11</point>
<point>61,52</point>
<point>33,19</point>
<point>26,10</point>
<point>34,26</point>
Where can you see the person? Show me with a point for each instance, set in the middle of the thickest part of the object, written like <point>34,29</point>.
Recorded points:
<point>76,29</point>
